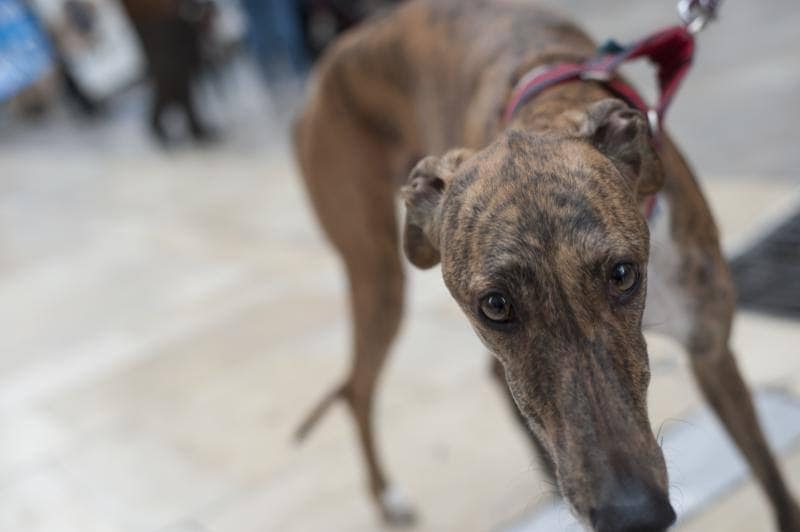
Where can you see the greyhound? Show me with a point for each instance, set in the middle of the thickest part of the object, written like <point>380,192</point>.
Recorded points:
<point>539,228</point>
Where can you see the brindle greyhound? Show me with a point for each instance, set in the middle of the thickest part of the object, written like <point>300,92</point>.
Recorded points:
<point>538,227</point>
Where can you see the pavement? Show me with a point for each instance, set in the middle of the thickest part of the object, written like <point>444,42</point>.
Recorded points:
<point>168,318</point>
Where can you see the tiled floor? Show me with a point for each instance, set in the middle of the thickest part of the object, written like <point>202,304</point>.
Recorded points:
<point>167,319</point>
<point>167,322</point>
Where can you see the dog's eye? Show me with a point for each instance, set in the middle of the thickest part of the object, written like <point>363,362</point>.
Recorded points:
<point>623,280</point>
<point>496,307</point>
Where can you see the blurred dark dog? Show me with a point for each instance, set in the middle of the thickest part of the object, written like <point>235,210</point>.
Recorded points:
<point>324,20</point>
<point>173,34</point>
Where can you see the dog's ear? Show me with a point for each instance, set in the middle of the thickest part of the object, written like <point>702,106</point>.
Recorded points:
<point>424,194</point>
<point>622,134</point>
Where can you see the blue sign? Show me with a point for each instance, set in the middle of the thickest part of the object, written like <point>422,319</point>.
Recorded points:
<point>24,49</point>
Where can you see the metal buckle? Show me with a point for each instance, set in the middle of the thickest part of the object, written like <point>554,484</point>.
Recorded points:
<point>653,122</point>
<point>595,75</point>
<point>695,14</point>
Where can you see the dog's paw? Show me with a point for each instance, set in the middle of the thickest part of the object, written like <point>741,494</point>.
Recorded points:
<point>396,508</point>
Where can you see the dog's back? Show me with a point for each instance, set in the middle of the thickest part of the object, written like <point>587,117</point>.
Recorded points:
<point>435,74</point>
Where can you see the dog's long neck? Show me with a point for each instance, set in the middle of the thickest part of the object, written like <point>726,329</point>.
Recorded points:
<point>549,111</point>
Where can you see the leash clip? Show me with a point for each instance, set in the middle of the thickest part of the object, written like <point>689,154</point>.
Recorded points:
<point>695,14</point>
<point>593,74</point>
<point>654,122</point>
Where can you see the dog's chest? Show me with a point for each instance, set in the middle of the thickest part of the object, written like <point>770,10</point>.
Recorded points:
<point>666,307</point>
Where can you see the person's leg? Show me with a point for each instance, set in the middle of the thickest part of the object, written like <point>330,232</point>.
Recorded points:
<point>289,32</point>
<point>274,37</point>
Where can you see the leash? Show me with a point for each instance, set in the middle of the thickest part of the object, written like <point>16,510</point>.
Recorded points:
<point>671,50</point>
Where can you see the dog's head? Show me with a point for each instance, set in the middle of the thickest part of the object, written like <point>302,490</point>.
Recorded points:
<point>543,246</point>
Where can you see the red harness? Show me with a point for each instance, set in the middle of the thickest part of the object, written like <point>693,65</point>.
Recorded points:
<point>671,50</point>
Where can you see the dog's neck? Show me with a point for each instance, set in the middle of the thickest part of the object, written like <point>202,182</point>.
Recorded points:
<point>548,111</point>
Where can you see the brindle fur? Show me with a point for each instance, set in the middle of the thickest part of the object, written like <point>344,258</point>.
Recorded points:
<point>539,209</point>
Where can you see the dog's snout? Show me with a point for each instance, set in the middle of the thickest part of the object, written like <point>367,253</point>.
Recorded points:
<point>629,510</point>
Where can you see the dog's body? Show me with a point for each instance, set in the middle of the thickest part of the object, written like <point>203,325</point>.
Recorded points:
<point>562,182</point>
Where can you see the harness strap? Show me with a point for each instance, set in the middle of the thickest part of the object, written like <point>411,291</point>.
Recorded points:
<point>671,50</point>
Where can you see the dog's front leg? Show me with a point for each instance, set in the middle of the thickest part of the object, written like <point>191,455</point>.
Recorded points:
<point>691,298</point>
<point>724,389</point>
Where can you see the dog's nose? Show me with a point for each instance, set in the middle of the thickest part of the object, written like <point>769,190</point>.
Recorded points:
<point>634,511</point>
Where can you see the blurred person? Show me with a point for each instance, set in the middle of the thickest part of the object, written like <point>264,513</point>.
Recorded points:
<point>77,30</point>
<point>275,38</point>
<point>93,48</point>
<point>172,34</point>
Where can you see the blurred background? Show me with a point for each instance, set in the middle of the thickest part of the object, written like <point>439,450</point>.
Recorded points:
<point>169,309</point>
